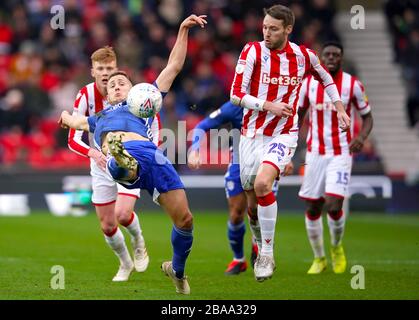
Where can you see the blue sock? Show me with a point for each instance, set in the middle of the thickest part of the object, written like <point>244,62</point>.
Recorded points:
<point>182,243</point>
<point>235,236</point>
<point>116,171</point>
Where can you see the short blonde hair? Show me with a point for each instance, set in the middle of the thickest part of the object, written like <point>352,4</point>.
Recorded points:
<point>104,54</point>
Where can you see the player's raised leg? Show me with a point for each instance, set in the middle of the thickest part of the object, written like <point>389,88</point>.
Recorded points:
<point>115,239</point>
<point>175,203</point>
<point>336,222</point>
<point>125,215</point>
<point>314,228</point>
<point>124,160</point>
<point>236,230</point>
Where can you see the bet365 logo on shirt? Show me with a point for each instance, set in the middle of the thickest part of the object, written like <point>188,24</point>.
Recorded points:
<point>281,80</point>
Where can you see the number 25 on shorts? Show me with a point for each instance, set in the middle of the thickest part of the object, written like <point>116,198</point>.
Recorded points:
<point>343,177</point>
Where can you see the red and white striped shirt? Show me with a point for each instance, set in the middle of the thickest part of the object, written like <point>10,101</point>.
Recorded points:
<point>324,136</point>
<point>276,76</point>
<point>90,101</point>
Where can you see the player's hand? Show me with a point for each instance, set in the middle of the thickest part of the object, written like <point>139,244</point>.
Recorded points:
<point>289,169</point>
<point>98,157</point>
<point>194,160</point>
<point>194,20</point>
<point>279,109</point>
<point>344,121</point>
<point>356,144</point>
<point>61,121</point>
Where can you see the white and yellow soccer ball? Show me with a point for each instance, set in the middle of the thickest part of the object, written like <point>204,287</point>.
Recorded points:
<point>144,100</point>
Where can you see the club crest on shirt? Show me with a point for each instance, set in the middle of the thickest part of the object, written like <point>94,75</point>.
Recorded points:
<point>300,61</point>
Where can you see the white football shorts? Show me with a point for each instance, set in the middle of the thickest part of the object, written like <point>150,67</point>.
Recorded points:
<point>277,151</point>
<point>105,189</point>
<point>325,175</point>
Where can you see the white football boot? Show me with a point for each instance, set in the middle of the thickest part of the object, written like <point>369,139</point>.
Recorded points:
<point>123,273</point>
<point>117,150</point>
<point>182,285</point>
<point>141,258</point>
<point>264,267</point>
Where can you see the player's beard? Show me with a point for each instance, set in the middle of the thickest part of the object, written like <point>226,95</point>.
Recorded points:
<point>278,44</point>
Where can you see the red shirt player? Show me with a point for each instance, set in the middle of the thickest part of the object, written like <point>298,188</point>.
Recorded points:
<point>329,155</point>
<point>267,83</point>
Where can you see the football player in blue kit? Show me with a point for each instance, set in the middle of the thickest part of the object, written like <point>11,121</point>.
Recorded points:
<point>135,160</point>
<point>236,198</point>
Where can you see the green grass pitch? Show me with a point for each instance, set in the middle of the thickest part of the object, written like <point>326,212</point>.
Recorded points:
<point>386,246</point>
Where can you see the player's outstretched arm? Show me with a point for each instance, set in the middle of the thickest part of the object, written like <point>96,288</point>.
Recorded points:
<point>73,121</point>
<point>178,54</point>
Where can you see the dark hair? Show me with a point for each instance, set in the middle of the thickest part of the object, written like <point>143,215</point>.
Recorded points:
<point>333,44</point>
<point>281,12</point>
<point>119,73</point>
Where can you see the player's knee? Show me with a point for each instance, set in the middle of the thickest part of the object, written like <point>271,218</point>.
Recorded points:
<point>186,221</point>
<point>236,215</point>
<point>335,214</point>
<point>108,227</point>
<point>313,212</point>
<point>263,185</point>
<point>334,205</point>
<point>314,208</point>
<point>123,216</point>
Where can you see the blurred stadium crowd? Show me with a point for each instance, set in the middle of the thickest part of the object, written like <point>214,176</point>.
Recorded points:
<point>41,69</point>
<point>403,19</point>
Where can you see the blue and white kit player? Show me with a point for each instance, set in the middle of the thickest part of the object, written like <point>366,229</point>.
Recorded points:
<point>135,160</point>
<point>236,198</point>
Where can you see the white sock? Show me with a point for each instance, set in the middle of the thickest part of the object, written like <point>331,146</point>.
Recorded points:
<point>134,229</point>
<point>117,244</point>
<point>255,228</point>
<point>315,235</point>
<point>336,228</point>
<point>267,213</point>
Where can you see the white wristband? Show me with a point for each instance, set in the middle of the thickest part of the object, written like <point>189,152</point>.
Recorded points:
<point>251,102</point>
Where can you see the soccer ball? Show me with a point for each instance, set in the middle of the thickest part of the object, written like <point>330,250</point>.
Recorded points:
<point>144,100</point>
